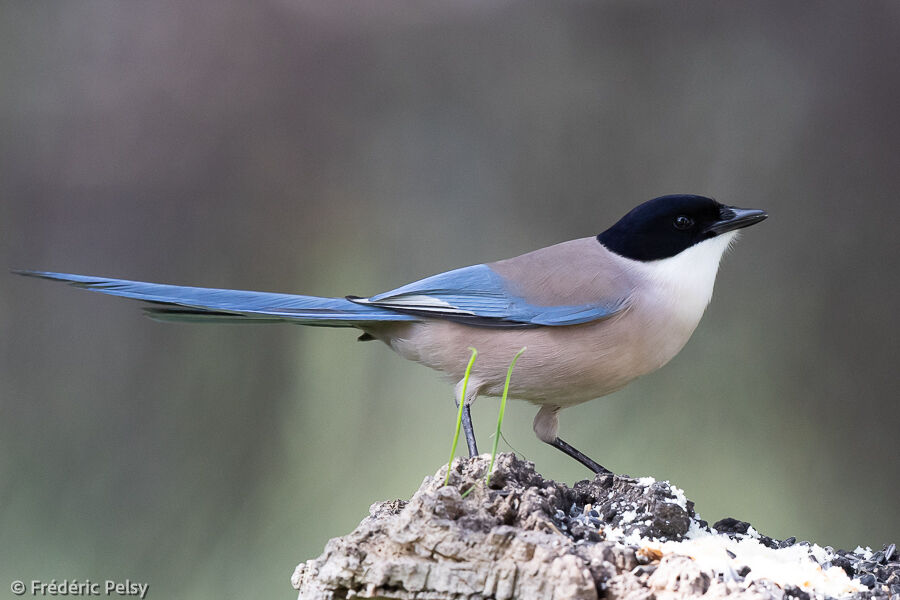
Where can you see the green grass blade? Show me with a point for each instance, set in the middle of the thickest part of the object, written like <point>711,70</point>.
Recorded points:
<point>462,401</point>
<point>509,371</point>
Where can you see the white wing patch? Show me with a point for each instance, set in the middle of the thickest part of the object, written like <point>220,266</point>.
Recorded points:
<point>418,302</point>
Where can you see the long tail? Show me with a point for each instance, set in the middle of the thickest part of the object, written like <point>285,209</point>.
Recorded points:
<point>195,304</point>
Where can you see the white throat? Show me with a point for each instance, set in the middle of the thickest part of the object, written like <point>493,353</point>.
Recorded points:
<point>687,279</point>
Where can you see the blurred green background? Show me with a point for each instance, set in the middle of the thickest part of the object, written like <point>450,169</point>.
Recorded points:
<point>339,148</point>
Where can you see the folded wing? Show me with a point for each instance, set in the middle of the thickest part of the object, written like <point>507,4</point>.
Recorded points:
<point>477,295</point>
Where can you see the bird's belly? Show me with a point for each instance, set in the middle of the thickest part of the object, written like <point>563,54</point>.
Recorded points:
<point>561,365</point>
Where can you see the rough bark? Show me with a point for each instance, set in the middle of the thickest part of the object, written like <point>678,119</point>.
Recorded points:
<point>526,537</point>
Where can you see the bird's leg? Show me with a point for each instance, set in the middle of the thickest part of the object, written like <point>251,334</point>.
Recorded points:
<point>579,456</point>
<point>469,431</point>
<point>546,427</point>
<point>471,392</point>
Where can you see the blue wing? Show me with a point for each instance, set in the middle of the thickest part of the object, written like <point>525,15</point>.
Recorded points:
<point>473,295</point>
<point>479,296</point>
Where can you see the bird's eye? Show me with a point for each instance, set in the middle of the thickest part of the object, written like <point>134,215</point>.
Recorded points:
<point>683,222</point>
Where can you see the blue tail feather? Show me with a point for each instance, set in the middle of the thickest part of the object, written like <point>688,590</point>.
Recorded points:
<point>210,304</point>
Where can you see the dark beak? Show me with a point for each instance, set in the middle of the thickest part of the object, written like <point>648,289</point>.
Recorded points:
<point>732,217</point>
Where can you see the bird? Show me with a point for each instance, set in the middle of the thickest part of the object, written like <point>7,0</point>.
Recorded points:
<point>594,313</point>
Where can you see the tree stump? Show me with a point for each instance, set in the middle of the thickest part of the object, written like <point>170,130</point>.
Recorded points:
<point>612,537</point>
